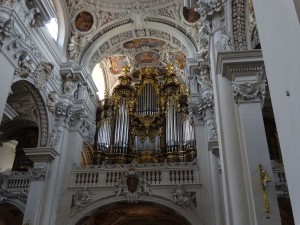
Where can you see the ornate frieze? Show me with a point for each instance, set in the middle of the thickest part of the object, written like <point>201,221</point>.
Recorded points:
<point>244,92</point>
<point>212,130</point>
<point>238,25</point>
<point>32,173</point>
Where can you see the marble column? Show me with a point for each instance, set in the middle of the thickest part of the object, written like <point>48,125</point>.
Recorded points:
<point>243,145</point>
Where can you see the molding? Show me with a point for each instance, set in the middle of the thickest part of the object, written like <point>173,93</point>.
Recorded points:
<point>230,64</point>
<point>46,154</point>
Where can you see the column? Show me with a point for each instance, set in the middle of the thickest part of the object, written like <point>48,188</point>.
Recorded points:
<point>203,121</point>
<point>243,145</point>
<point>39,180</point>
<point>6,73</point>
<point>281,51</point>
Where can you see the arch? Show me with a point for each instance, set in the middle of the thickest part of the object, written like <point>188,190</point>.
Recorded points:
<point>42,114</point>
<point>188,214</point>
<point>101,43</point>
<point>11,213</point>
<point>17,203</point>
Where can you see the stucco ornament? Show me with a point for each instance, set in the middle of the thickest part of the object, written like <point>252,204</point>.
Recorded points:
<point>249,91</point>
<point>132,184</point>
<point>24,67</point>
<point>182,197</point>
<point>81,199</point>
<point>70,84</point>
<point>5,30</point>
<point>42,72</point>
<point>52,100</point>
<point>76,45</point>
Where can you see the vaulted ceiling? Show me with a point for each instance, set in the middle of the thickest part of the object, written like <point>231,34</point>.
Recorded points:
<point>138,33</point>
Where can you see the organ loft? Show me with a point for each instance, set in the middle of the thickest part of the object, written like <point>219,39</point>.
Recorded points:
<point>146,119</point>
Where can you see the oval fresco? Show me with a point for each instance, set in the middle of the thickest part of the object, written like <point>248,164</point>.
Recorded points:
<point>147,57</point>
<point>143,42</point>
<point>190,15</point>
<point>84,21</point>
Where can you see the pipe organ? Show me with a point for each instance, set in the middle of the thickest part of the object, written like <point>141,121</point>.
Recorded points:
<point>145,119</point>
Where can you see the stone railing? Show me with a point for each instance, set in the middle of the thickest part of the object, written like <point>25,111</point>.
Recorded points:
<point>155,173</point>
<point>14,185</point>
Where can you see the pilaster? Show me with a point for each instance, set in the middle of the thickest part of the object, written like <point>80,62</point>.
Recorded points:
<point>243,145</point>
<point>37,203</point>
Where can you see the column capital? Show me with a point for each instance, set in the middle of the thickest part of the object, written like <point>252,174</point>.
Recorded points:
<point>249,92</point>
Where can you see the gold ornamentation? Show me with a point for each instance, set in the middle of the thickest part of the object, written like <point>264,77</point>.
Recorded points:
<point>264,177</point>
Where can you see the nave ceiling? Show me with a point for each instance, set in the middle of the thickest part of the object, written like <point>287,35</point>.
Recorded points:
<point>139,34</point>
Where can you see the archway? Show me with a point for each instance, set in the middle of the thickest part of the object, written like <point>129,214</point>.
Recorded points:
<point>10,214</point>
<point>160,211</point>
<point>124,213</point>
<point>24,124</point>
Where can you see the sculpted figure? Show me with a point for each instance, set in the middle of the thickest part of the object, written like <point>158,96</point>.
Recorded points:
<point>70,84</point>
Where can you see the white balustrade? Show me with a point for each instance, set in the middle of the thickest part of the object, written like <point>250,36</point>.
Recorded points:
<point>155,174</point>
<point>14,181</point>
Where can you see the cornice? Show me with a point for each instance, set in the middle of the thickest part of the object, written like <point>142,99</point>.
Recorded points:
<point>229,64</point>
<point>41,154</point>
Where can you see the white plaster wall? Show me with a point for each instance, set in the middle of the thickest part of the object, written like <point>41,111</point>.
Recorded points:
<point>7,155</point>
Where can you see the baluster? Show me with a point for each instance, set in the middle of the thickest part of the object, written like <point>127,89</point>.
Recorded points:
<point>179,176</point>
<point>159,176</point>
<point>192,176</point>
<point>96,178</point>
<point>107,178</point>
<point>183,176</point>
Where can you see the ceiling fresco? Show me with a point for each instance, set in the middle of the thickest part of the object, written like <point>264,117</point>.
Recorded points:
<point>140,53</point>
<point>116,64</point>
<point>84,21</point>
<point>147,57</point>
<point>143,42</point>
<point>190,15</point>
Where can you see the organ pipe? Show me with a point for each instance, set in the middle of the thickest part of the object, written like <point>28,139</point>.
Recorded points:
<point>145,117</point>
